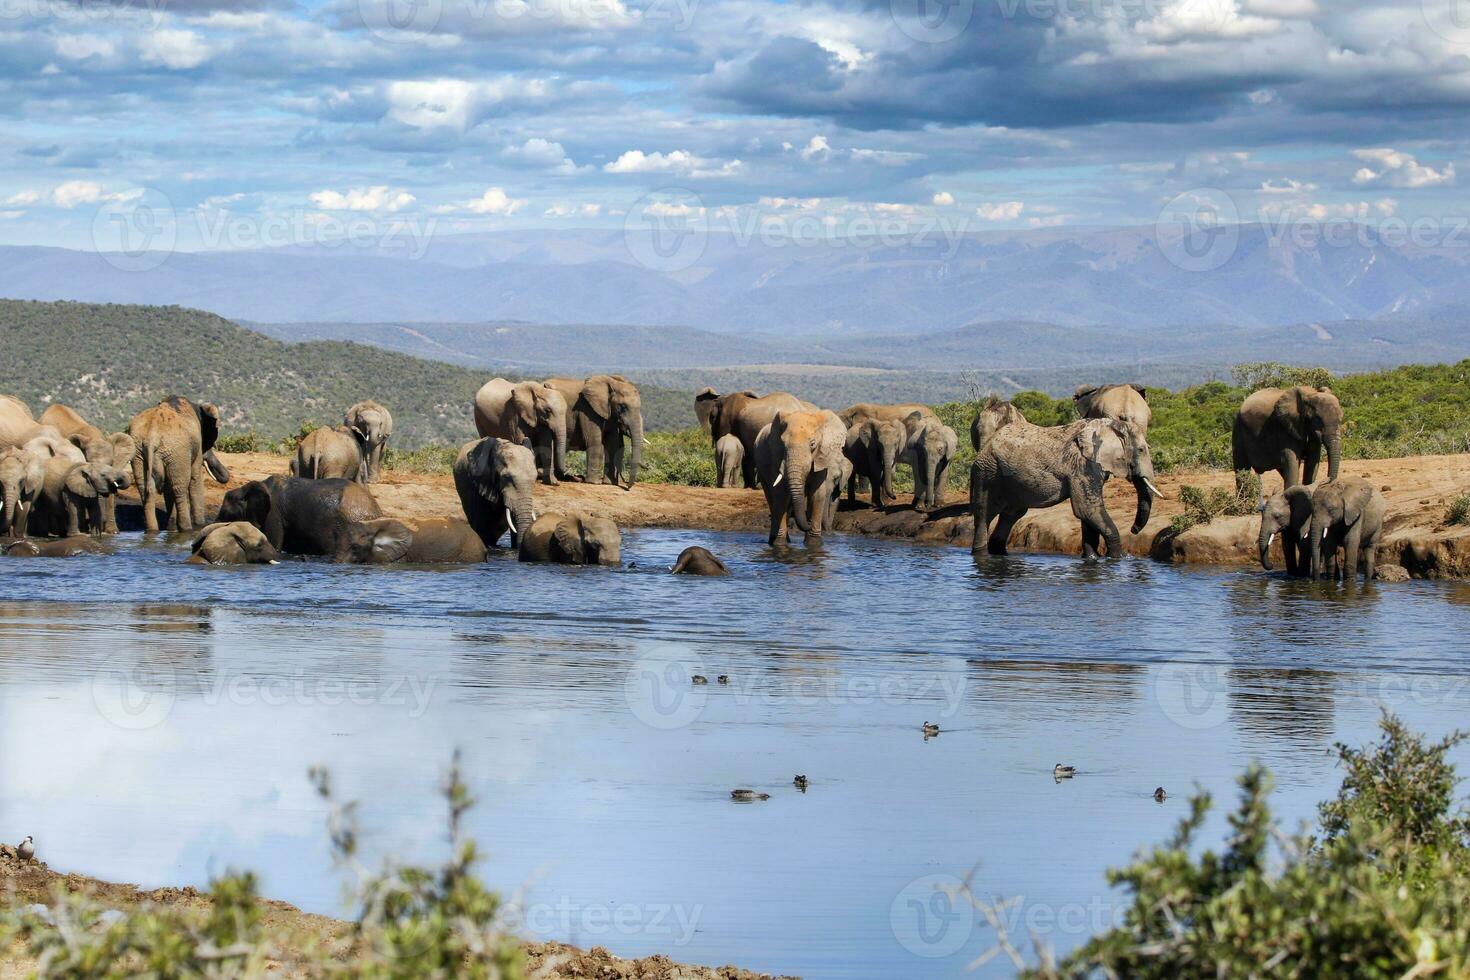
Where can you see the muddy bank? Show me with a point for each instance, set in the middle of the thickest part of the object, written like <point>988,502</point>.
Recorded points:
<point>25,884</point>
<point>1418,490</point>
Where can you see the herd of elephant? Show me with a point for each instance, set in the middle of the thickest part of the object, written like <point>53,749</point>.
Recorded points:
<point>59,474</point>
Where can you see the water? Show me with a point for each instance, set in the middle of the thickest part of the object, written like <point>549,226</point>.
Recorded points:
<point>158,721</point>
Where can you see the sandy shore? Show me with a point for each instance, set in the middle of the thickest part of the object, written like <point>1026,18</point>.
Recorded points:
<point>1417,488</point>
<point>27,884</point>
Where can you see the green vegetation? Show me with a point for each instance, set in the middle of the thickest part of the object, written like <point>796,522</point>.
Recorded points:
<point>1458,510</point>
<point>1203,506</point>
<point>411,922</point>
<point>111,361</point>
<point>1382,889</point>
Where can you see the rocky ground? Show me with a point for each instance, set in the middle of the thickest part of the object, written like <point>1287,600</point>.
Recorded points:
<point>1418,490</point>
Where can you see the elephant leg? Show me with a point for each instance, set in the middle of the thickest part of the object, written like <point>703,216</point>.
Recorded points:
<point>1310,459</point>
<point>1091,537</point>
<point>1290,469</point>
<point>109,515</point>
<point>776,502</point>
<point>73,515</point>
<point>1001,536</point>
<point>979,509</point>
<point>1087,505</point>
<point>747,470</point>
<point>1350,552</point>
<point>1288,551</point>
<point>596,462</point>
<point>1370,558</point>
<point>178,487</point>
<point>148,495</point>
<point>194,515</point>
<point>612,451</point>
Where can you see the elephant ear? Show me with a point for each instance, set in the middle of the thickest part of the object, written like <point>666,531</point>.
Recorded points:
<point>1106,447</point>
<point>1142,391</point>
<point>598,396</point>
<point>123,448</point>
<point>79,482</point>
<point>204,534</point>
<point>568,537</point>
<point>391,541</point>
<point>1288,413</point>
<point>1355,499</point>
<point>34,478</point>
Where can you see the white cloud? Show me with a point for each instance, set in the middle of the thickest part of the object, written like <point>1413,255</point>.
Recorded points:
<point>1000,211</point>
<point>797,203</point>
<point>816,149</point>
<point>23,198</point>
<point>664,209</point>
<point>176,49</point>
<point>453,103</point>
<point>379,198</point>
<point>676,162</point>
<point>573,211</point>
<point>76,47</point>
<point>493,201</point>
<point>1285,185</point>
<point>1396,169</point>
<point>884,158</point>
<point>77,192</point>
<point>538,152</point>
<point>943,199</point>
<point>1317,211</point>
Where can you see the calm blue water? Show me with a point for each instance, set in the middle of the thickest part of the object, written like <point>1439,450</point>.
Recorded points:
<point>158,721</point>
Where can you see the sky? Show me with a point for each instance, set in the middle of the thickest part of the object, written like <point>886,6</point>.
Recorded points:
<point>264,122</point>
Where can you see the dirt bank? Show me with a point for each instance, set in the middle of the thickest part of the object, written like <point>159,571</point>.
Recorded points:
<point>1417,488</point>
<point>26,884</point>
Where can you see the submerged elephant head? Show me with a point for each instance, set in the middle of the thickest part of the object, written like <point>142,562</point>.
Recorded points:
<point>1289,513</point>
<point>573,539</point>
<point>615,399</point>
<point>21,476</point>
<point>810,444</point>
<point>1120,450</point>
<point>1313,414</point>
<point>378,542</point>
<point>233,543</point>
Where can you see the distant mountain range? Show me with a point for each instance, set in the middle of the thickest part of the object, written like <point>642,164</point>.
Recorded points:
<point>777,289</point>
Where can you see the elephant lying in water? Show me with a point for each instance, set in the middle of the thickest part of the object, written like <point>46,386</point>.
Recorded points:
<point>1019,466</point>
<point>573,539</point>
<point>233,543</point>
<point>441,541</point>
<point>695,560</point>
<point>299,516</point>
<point>55,548</point>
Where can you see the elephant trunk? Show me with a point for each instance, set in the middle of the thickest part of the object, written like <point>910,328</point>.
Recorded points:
<point>11,504</point>
<point>931,472</point>
<point>559,451</point>
<point>796,471</point>
<point>1144,488</point>
<point>636,456</point>
<point>523,517</point>
<point>890,460</point>
<point>1334,453</point>
<point>1317,544</point>
<point>1265,546</point>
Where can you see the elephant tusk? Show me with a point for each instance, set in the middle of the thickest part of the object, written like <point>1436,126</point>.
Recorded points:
<point>647,443</point>
<point>777,481</point>
<point>1271,540</point>
<point>1155,490</point>
<point>510,518</point>
<point>272,562</point>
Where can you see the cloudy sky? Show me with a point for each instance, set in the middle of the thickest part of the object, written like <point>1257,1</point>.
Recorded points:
<point>485,114</point>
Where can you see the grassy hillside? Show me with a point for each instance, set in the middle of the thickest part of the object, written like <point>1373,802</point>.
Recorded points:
<point>111,361</point>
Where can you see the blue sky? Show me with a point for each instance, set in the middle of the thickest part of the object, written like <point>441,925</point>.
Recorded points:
<point>486,114</point>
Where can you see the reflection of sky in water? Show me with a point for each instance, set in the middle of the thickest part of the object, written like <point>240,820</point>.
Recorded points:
<point>161,731</point>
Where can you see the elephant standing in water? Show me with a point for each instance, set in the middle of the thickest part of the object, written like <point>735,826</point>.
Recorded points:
<point>495,479</point>
<point>298,516</point>
<point>799,457</point>
<point>572,539</point>
<point>116,450</point>
<point>605,409</point>
<point>1289,514</point>
<point>1285,431</point>
<point>1020,466</point>
<point>175,441</point>
<point>1126,403</point>
<point>372,424</point>
<point>22,475</point>
<point>750,416</point>
<point>1346,514</point>
<point>71,497</point>
<point>531,414</point>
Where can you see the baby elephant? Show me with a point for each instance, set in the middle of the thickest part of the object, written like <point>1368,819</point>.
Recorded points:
<point>698,561</point>
<point>233,543</point>
<point>71,497</point>
<point>729,453</point>
<point>433,542</point>
<point>56,548</point>
<point>573,539</point>
<point>1346,513</point>
<point>1288,514</point>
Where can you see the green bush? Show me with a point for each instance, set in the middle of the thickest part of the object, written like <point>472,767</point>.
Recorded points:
<point>1458,510</point>
<point>1203,506</point>
<point>432,459</point>
<point>682,457</point>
